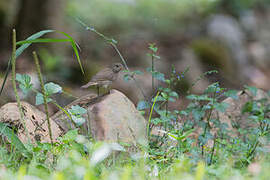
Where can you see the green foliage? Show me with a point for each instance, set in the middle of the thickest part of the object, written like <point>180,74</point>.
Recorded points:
<point>76,114</point>
<point>5,131</point>
<point>35,39</point>
<point>50,89</point>
<point>24,82</point>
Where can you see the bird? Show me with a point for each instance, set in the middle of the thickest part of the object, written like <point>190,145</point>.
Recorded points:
<point>105,77</point>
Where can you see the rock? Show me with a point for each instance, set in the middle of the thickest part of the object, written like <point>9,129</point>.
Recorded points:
<point>227,30</point>
<point>112,117</point>
<point>115,118</point>
<point>36,123</point>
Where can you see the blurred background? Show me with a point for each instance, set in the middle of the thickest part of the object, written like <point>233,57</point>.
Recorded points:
<point>231,36</point>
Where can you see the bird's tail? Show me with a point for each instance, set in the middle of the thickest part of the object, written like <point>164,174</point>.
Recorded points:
<point>89,84</point>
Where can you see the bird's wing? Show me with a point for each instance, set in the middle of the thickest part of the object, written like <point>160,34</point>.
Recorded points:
<point>103,75</point>
<point>89,84</point>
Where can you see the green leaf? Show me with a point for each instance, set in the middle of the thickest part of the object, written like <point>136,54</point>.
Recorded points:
<point>152,47</point>
<point>75,49</point>
<point>78,120</point>
<point>156,121</point>
<point>232,94</point>
<point>158,75</point>
<point>252,89</point>
<point>52,88</point>
<point>143,105</point>
<point>69,136</point>
<point>13,139</point>
<point>213,88</point>
<point>40,100</point>
<point>77,110</point>
<point>197,113</point>
<point>184,113</point>
<point>203,97</point>
<point>173,94</point>
<point>221,106</point>
<point>42,41</point>
<point>159,98</point>
<point>164,95</point>
<point>76,114</point>
<point>247,107</point>
<point>181,137</point>
<point>24,82</point>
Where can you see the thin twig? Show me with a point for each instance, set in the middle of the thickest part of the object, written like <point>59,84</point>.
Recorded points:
<point>13,74</point>
<point>44,95</point>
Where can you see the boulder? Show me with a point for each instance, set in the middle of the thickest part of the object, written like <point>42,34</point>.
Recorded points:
<point>35,122</point>
<point>111,117</point>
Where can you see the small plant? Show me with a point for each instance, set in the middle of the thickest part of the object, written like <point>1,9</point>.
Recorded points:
<point>153,54</point>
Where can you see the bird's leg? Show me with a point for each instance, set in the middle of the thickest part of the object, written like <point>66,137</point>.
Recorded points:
<point>98,89</point>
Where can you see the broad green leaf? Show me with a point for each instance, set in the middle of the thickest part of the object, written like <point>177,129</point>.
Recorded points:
<point>76,114</point>
<point>78,120</point>
<point>52,88</point>
<point>13,139</point>
<point>40,100</point>
<point>164,95</point>
<point>24,82</point>
<point>77,110</point>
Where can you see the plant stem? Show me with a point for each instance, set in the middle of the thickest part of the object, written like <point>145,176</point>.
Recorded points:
<point>44,95</point>
<point>213,150</point>
<point>153,68</point>
<point>13,74</point>
<point>150,116</point>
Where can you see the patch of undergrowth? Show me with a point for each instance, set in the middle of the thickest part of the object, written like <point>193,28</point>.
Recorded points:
<point>190,142</point>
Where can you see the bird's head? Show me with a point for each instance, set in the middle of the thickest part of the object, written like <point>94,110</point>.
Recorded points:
<point>117,67</point>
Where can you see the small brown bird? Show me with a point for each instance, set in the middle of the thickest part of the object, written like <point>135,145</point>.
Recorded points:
<point>105,77</point>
